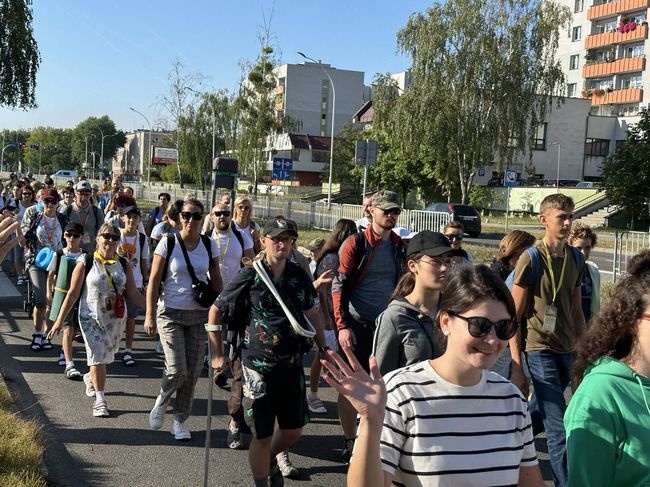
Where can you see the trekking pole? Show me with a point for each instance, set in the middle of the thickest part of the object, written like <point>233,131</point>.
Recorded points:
<point>208,427</point>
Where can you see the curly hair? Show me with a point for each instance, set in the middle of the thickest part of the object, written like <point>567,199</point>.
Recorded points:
<point>613,330</point>
<point>583,231</point>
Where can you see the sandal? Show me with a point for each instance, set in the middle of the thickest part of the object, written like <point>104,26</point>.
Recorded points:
<point>72,373</point>
<point>61,361</point>
<point>127,359</point>
<point>46,344</point>
<point>36,346</point>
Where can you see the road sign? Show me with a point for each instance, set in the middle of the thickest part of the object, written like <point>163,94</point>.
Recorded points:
<point>282,168</point>
<point>510,178</point>
<point>481,172</point>
<point>365,152</point>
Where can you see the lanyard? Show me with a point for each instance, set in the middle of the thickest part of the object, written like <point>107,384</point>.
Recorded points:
<point>222,255</point>
<point>555,287</point>
<point>103,262</point>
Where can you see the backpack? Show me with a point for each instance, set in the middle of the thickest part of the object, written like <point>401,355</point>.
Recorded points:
<point>534,274</point>
<point>171,241</point>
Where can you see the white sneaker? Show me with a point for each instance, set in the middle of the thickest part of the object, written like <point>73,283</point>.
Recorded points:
<point>90,389</point>
<point>180,431</point>
<point>157,414</point>
<point>100,409</point>
<point>315,405</point>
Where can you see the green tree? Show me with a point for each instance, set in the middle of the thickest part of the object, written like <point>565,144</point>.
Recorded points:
<point>87,135</point>
<point>48,150</point>
<point>482,73</point>
<point>345,170</point>
<point>19,56</point>
<point>626,173</point>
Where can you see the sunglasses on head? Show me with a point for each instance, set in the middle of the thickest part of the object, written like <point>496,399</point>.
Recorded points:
<point>72,235</point>
<point>455,236</point>
<point>392,211</point>
<point>221,213</point>
<point>479,326</point>
<point>189,215</point>
<point>109,236</point>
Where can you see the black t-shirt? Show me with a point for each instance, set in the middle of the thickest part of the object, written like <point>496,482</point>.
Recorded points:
<point>268,338</point>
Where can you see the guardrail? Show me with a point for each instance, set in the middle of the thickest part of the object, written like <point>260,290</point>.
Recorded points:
<point>626,245</point>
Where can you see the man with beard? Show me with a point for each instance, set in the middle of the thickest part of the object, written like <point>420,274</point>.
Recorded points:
<point>371,263</point>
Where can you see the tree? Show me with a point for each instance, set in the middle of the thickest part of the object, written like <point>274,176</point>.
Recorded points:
<point>345,169</point>
<point>87,135</point>
<point>48,150</point>
<point>19,56</point>
<point>626,173</point>
<point>483,73</point>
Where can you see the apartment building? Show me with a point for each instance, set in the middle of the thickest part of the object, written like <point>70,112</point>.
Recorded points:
<point>603,56</point>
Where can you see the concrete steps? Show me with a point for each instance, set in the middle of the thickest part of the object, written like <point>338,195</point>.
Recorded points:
<point>599,218</point>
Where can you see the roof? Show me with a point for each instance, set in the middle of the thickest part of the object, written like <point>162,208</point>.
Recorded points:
<point>313,142</point>
<point>365,114</point>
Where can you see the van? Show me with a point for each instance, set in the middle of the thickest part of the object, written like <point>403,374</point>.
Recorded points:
<point>66,173</point>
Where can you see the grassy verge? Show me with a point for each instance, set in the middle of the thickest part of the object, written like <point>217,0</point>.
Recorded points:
<point>20,447</point>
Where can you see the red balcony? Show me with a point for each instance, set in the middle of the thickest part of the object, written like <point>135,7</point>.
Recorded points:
<point>624,65</point>
<point>617,97</point>
<point>610,9</point>
<point>609,38</point>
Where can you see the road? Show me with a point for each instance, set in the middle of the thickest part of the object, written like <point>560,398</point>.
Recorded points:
<point>121,450</point>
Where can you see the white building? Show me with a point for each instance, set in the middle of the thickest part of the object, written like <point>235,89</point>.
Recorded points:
<point>131,161</point>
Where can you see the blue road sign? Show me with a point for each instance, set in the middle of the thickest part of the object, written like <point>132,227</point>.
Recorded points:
<point>282,168</point>
<point>510,178</point>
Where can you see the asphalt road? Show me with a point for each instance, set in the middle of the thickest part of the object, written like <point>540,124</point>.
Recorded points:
<point>121,450</point>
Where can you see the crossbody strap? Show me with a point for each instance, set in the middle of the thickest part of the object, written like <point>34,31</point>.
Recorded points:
<point>195,281</point>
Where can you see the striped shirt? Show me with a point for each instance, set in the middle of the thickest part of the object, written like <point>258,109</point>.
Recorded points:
<point>436,433</point>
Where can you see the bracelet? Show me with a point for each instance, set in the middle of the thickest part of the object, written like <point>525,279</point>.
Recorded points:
<point>209,327</point>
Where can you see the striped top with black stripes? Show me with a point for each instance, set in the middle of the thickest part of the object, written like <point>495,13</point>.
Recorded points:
<point>436,433</point>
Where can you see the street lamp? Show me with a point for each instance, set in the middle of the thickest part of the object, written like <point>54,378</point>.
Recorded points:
<point>2,156</point>
<point>150,131</point>
<point>329,186</point>
<point>101,156</point>
<point>559,152</point>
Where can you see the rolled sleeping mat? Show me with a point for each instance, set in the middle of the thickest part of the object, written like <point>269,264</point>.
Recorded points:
<point>62,285</point>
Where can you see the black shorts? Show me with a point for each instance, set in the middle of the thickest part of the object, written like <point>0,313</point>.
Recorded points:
<point>364,332</point>
<point>284,401</point>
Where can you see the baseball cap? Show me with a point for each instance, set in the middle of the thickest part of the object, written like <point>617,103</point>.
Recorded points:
<point>132,209</point>
<point>50,193</point>
<point>385,200</point>
<point>276,226</point>
<point>429,243</point>
<point>83,186</point>
<point>74,227</point>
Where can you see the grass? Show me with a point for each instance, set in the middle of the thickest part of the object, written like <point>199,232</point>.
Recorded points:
<point>20,447</point>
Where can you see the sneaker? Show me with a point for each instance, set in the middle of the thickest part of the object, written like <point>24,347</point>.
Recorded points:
<point>180,431</point>
<point>234,436</point>
<point>287,468</point>
<point>90,389</point>
<point>157,414</point>
<point>275,475</point>
<point>72,373</point>
<point>315,405</point>
<point>100,409</point>
<point>346,454</point>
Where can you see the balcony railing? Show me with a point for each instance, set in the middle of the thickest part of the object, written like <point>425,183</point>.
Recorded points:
<point>617,97</point>
<point>618,66</point>
<point>610,9</point>
<point>616,37</point>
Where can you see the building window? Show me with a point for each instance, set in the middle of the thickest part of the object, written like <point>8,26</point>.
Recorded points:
<point>576,33</point>
<point>320,156</point>
<point>629,110</point>
<point>574,61</point>
<point>572,90</point>
<point>597,147</point>
<point>295,154</point>
<point>539,141</point>
<point>633,51</point>
<point>579,5</point>
<point>633,81</point>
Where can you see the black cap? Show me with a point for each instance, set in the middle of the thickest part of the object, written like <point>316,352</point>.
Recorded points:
<point>429,243</point>
<point>74,227</point>
<point>276,226</point>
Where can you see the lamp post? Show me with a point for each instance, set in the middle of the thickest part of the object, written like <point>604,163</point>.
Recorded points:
<point>329,186</point>
<point>150,131</point>
<point>101,154</point>
<point>559,152</point>
<point>2,156</point>
<point>92,136</point>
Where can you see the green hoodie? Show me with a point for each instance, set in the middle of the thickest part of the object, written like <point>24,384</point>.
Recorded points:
<point>608,427</point>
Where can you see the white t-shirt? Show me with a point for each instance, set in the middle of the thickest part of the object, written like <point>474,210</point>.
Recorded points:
<point>177,288</point>
<point>67,253</point>
<point>436,433</point>
<point>129,248</point>
<point>161,230</point>
<point>230,252</point>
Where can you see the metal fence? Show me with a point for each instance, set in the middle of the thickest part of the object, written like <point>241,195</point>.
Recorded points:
<point>626,245</point>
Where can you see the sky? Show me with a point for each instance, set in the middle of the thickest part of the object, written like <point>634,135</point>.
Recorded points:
<point>101,57</point>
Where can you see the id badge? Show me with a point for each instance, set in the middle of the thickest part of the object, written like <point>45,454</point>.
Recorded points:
<point>109,303</point>
<point>225,272</point>
<point>85,239</point>
<point>550,317</point>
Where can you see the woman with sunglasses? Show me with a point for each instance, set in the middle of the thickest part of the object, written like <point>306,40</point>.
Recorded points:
<point>243,218</point>
<point>608,419</point>
<point>172,310</point>
<point>446,421</point>
<point>42,229</point>
<point>454,231</point>
<point>406,331</point>
<point>101,291</point>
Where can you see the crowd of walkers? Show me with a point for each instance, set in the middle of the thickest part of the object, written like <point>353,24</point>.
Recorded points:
<point>445,369</point>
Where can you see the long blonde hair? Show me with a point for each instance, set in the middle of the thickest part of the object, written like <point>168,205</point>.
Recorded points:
<point>236,216</point>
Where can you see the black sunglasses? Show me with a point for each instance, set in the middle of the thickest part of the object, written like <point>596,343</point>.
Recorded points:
<point>221,213</point>
<point>479,326</point>
<point>455,236</point>
<point>189,215</point>
<point>72,235</point>
<point>108,236</point>
<point>392,211</point>
<point>50,201</point>
<point>25,193</point>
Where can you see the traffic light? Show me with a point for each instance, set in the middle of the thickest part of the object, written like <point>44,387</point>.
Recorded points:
<point>52,148</point>
<point>21,145</point>
<point>34,146</point>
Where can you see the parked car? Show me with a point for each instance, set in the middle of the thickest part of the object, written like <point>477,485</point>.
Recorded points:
<point>65,173</point>
<point>563,182</point>
<point>465,214</point>
<point>588,184</point>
